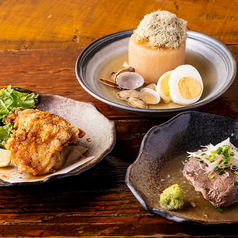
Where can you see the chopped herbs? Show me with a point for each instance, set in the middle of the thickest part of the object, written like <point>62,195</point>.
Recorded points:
<point>225,153</point>
<point>212,158</point>
<point>219,157</point>
<point>219,209</point>
<point>220,171</point>
<point>219,150</point>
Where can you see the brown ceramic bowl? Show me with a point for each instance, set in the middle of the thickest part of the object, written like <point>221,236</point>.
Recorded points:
<point>160,162</point>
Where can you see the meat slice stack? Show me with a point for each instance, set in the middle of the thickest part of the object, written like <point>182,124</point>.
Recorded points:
<point>220,190</point>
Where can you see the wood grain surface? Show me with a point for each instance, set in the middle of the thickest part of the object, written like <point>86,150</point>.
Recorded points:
<point>39,44</point>
<point>30,24</point>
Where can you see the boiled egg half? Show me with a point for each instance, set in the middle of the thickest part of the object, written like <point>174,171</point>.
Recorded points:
<point>186,85</point>
<point>183,85</point>
<point>163,87</point>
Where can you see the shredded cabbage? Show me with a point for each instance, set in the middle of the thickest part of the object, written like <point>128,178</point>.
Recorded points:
<point>218,157</point>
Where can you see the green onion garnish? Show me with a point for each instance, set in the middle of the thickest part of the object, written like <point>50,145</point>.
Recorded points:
<point>219,209</point>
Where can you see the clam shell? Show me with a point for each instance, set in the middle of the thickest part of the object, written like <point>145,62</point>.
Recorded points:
<point>116,73</point>
<point>137,102</point>
<point>152,86</point>
<point>108,83</point>
<point>129,80</point>
<point>124,94</point>
<point>149,96</point>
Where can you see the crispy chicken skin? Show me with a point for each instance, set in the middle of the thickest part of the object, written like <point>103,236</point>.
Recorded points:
<point>38,139</point>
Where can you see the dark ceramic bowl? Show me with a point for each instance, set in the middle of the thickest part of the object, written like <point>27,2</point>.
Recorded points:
<point>160,162</point>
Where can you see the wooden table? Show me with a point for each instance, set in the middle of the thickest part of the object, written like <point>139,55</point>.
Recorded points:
<point>40,42</point>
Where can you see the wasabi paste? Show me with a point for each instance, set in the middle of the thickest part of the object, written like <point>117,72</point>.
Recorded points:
<point>172,198</point>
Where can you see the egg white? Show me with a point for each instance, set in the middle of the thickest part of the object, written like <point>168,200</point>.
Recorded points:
<point>176,75</point>
<point>160,89</point>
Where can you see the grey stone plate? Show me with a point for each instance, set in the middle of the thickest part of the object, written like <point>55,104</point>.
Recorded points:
<point>211,57</point>
<point>160,162</point>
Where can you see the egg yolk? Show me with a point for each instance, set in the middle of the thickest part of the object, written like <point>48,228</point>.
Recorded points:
<point>165,85</point>
<point>189,87</point>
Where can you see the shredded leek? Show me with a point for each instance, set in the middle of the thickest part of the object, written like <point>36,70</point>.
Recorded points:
<point>218,157</point>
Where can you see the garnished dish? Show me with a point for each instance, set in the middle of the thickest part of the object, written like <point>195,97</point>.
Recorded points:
<point>182,85</point>
<point>105,62</point>
<point>187,169</point>
<point>157,45</point>
<point>38,139</point>
<point>156,69</point>
<point>213,171</point>
<point>42,137</point>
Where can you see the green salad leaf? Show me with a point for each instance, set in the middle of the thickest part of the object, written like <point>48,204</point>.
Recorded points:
<point>10,99</point>
<point>5,131</point>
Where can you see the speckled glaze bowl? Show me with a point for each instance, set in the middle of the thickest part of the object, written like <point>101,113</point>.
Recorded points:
<point>210,57</point>
<point>160,162</point>
<point>100,135</point>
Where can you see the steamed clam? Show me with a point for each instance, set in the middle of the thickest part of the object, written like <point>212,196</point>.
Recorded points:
<point>114,74</point>
<point>125,78</point>
<point>137,102</point>
<point>151,86</point>
<point>134,91</point>
<point>183,86</point>
<point>129,80</point>
<point>139,98</point>
<point>149,96</point>
<point>109,83</point>
<point>125,94</point>
<point>132,97</point>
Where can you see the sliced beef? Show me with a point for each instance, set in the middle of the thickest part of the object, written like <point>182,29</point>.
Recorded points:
<point>219,190</point>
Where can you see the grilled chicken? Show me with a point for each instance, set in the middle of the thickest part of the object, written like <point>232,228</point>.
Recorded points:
<point>38,139</point>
